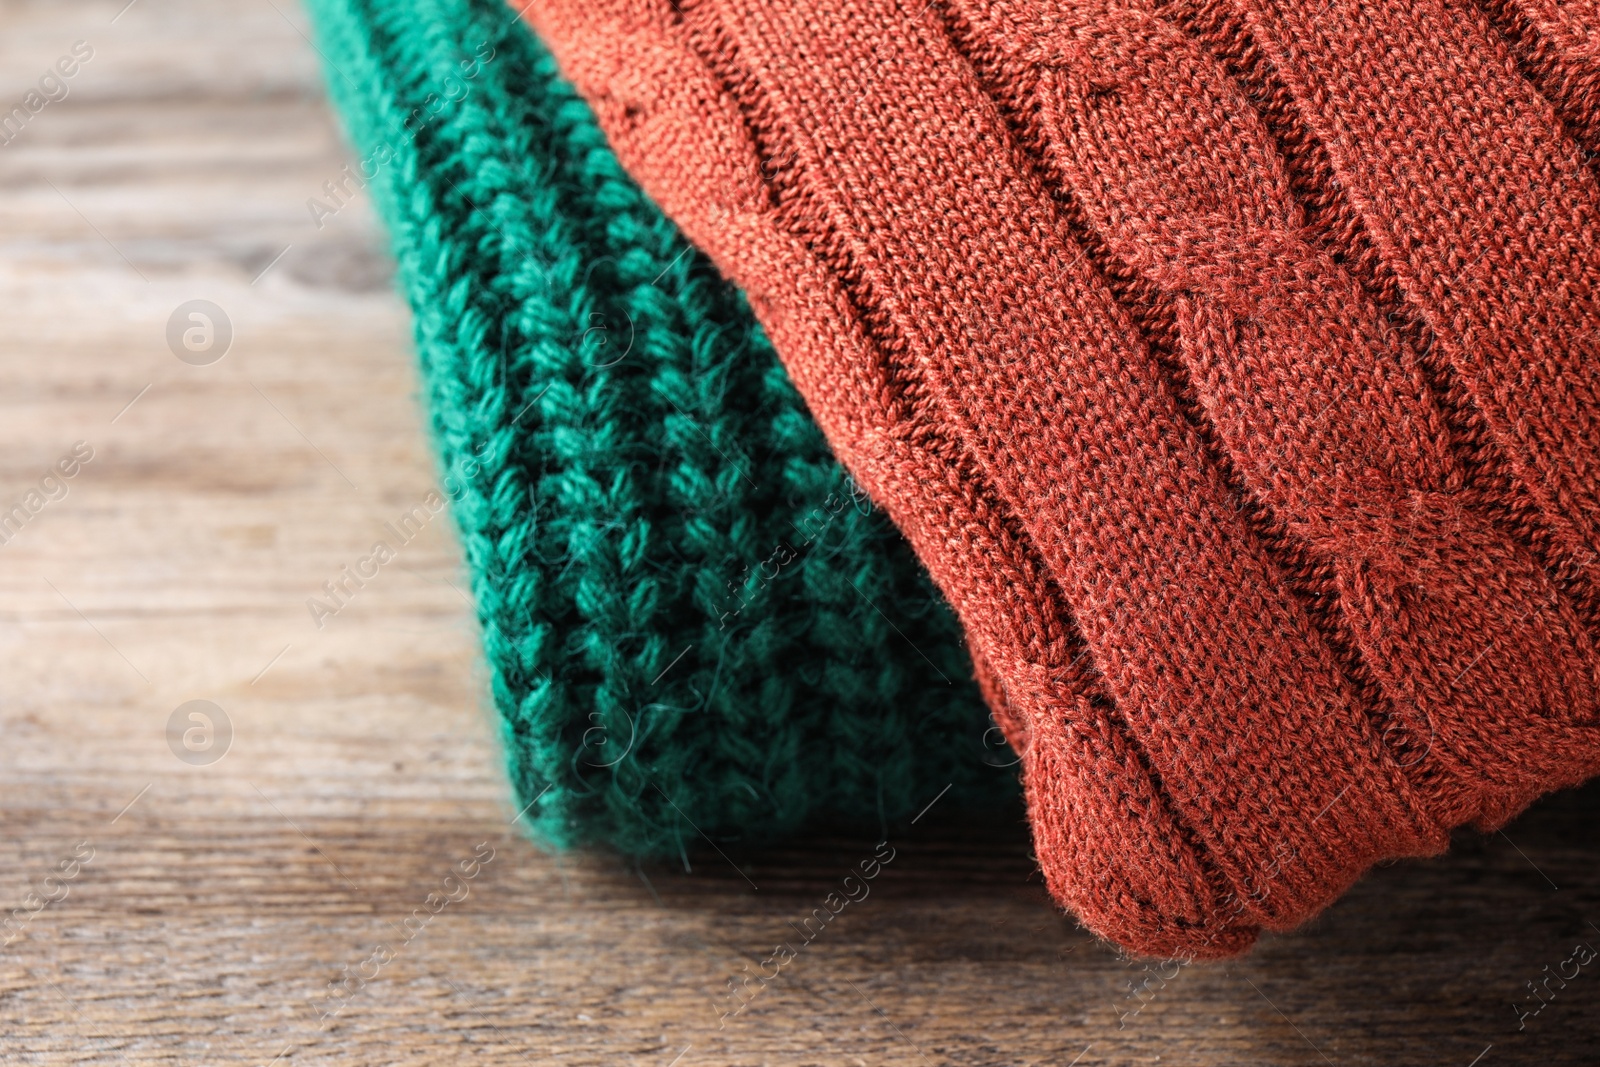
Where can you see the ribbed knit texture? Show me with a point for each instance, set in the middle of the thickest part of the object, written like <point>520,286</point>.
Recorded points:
<point>1233,365</point>
<point>693,622</point>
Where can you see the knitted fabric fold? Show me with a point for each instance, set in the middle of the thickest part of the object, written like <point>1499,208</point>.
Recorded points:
<point>695,622</point>
<point>1232,366</point>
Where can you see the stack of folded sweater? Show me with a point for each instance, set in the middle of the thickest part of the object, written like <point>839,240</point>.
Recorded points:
<point>1232,367</point>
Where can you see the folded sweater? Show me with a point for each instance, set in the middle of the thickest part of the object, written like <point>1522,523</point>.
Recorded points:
<point>1233,366</point>
<point>696,624</point>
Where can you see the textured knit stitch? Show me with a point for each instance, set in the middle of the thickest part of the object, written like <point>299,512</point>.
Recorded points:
<point>693,622</point>
<point>1231,364</point>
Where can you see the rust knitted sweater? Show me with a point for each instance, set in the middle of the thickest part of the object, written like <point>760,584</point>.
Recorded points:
<point>1232,365</point>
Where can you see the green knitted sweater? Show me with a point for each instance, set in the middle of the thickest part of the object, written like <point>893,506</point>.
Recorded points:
<point>694,622</point>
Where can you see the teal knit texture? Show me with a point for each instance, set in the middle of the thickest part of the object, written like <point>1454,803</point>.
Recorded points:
<point>695,624</point>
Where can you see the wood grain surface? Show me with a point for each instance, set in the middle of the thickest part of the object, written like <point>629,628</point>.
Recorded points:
<point>216,909</point>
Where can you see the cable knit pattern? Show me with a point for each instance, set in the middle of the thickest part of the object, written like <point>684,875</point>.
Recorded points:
<point>1186,186</point>
<point>693,622</point>
<point>1232,366</point>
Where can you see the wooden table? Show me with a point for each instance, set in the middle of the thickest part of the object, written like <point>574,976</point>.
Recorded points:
<point>199,910</point>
